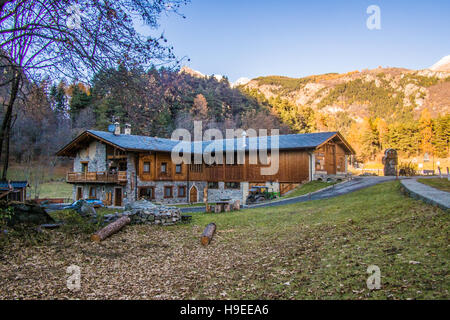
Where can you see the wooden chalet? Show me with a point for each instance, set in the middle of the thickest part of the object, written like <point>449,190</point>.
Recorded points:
<point>119,167</point>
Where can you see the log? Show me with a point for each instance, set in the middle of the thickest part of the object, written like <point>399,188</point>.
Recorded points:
<point>208,233</point>
<point>110,229</point>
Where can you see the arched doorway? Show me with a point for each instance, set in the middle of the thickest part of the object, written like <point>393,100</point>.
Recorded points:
<point>193,194</point>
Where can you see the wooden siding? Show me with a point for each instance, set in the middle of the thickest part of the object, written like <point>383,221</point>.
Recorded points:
<point>332,158</point>
<point>293,167</point>
<point>156,160</point>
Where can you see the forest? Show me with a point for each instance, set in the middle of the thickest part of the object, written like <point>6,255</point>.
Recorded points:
<point>158,101</point>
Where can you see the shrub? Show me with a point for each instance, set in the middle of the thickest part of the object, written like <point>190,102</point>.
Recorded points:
<point>407,169</point>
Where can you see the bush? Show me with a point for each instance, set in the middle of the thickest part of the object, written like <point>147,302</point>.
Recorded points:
<point>407,169</point>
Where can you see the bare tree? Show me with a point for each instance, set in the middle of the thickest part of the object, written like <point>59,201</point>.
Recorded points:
<point>75,39</point>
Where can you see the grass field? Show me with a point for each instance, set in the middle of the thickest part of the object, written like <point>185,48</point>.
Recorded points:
<point>438,183</point>
<point>56,190</point>
<point>54,185</point>
<point>313,250</point>
<point>308,188</point>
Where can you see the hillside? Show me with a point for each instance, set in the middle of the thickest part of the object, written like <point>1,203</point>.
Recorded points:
<point>375,109</point>
<point>442,65</point>
<point>385,92</point>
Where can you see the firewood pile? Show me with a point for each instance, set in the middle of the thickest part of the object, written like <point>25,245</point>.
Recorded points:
<point>139,212</point>
<point>145,212</point>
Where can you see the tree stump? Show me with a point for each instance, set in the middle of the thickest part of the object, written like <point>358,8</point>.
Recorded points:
<point>208,234</point>
<point>110,229</point>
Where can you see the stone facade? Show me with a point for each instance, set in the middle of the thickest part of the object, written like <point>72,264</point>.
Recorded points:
<point>95,154</point>
<point>224,193</point>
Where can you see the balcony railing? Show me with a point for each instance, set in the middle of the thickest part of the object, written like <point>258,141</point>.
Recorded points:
<point>97,177</point>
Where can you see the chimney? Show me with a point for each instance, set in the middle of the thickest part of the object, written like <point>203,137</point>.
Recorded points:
<point>127,129</point>
<point>117,129</point>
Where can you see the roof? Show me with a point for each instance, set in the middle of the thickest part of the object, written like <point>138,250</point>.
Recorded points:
<point>145,143</point>
<point>4,185</point>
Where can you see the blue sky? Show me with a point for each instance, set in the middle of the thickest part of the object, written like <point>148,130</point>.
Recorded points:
<point>249,38</point>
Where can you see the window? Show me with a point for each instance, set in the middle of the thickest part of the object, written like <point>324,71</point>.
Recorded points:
<point>196,168</point>
<point>147,193</point>
<point>181,191</point>
<point>84,166</point>
<point>92,193</point>
<point>178,168</point>
<point>146,167</point>
<point>164,167</point>
<point>232,185</point>
<point>213,185</point>
<point>168,192</point>
<point>122,166</point>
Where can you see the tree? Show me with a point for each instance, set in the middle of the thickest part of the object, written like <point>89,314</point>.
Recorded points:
<point>200,108</point>
<point>58,100</point>
<point>74,38</point>
<point>79,101</point>
<point>369,139</point>
<point>442,136</point>
<point>426,132</point>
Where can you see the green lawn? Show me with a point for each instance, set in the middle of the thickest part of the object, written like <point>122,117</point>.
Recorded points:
<point>308,188</point>
<point>56,190</point>
<point>313,250</point>
<point>438,183</point>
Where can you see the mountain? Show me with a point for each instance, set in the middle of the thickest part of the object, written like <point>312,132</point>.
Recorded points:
<point>388,93</point>
<point>442,65</point>
<point>240,82</point>
<point>192,72</point>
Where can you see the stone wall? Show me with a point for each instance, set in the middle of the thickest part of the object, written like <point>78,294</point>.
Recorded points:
<point>224,193</point>
<point>159,190</point>
<point>130,188</point>
<point>95,154</point>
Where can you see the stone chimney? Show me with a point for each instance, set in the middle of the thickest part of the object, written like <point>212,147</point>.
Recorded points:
<point>127,129</point>
<point>117,129</point>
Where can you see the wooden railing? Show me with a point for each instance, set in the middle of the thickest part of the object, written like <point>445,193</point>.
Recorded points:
<point>100,177</point>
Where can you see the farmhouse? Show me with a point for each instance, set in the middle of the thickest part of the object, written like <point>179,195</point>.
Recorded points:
<point>117,167</point>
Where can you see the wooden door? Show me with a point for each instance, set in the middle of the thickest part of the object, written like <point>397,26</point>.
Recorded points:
<point>193,195</point>
<point>79,193</point>
<point>118,197</point>
<point>108,199</point>
<point>330,159</point>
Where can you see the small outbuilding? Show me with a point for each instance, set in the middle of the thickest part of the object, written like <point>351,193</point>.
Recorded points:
<point>13,190</point>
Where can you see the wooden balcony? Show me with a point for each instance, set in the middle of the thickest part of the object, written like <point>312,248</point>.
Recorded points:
<point>97,177</point>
